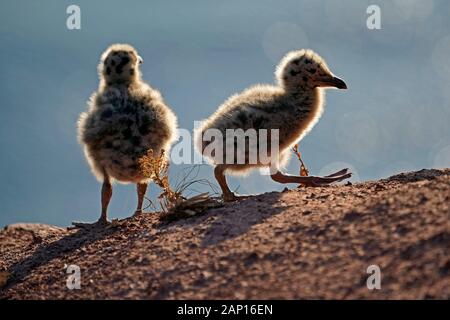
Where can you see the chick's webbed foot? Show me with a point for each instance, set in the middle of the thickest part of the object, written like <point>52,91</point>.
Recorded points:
<point>101,223</point>
<point>312,181</point>
<point>338,173</point>
<point>232,197</point>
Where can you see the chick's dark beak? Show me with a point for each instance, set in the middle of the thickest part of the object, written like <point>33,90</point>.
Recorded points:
<point>339,83</point>
<point>333,82</point>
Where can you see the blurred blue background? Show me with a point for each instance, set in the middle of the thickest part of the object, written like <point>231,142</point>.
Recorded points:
<point>394,117</point>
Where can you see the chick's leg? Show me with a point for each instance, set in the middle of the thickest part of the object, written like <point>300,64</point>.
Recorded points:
<point>310,181</point>
<point>106,198</point>
<point>227,194</point>
<point>106,195</point>
<point>141,188</point>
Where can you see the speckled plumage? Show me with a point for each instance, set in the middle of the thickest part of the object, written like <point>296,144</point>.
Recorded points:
<point>293,107</point>
<point>124,120</point>
<point>266,107</point>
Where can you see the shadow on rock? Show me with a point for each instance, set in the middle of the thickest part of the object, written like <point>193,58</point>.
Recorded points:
<point>234,219</point>
<point>49,251</point>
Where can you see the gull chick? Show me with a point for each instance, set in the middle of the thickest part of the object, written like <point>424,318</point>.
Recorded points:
<point>125,118</point>
<point>292,107</point>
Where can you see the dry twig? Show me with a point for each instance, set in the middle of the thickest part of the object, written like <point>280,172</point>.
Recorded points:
<point>304,172</point>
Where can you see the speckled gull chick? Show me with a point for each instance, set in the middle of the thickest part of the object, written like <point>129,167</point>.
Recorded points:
<point>125,118</point>
<point>293,107</point>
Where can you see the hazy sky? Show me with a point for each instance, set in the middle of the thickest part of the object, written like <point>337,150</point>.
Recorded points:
<point>394,116</point>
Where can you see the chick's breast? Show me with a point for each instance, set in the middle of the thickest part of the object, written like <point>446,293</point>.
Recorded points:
<point>122,126</point>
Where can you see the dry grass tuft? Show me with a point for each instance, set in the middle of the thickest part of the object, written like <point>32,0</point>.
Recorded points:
<point>156,168</point>
<point>173,204</point>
